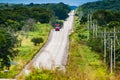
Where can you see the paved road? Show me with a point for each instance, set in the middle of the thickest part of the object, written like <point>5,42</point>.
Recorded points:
<point>54,54</point>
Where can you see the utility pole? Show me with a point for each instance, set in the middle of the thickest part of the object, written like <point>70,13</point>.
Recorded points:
<point>105,46</point>
<point>90,24</point>
<point>117,40</point>
<point>90,21</point>
<point>88,18</point>
<point>111,58</point>
<point>114,48</point>
<point>96,29</point>
<point>93,27</point>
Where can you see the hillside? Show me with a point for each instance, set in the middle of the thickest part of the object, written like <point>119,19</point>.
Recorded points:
<point>113,5</point>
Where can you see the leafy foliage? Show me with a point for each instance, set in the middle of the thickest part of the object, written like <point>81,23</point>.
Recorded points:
<point>104,17</point>
<point>112,5</point>
<point>60,10</point>
<point>18,15</point>
<point>38,74</point>
<point>14,16</point>
<point>37,40</point>
<point>93,43</point>
<point>7,43</point>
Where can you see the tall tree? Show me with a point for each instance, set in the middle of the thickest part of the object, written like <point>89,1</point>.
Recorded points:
<point>6,48</point>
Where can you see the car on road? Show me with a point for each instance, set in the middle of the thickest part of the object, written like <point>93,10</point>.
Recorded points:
<point>57,28</point>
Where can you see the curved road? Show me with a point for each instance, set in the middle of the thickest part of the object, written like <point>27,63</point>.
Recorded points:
<point>54,54</point>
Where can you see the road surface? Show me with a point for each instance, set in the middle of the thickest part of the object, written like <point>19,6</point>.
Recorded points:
<point>55,52</point>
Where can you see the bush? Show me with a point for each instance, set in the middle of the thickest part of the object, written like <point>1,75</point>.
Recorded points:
<point>57,22</point>
<point>37,40</point>
<point>95,44</point>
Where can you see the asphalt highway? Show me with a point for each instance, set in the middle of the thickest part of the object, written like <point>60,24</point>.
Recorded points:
<point>54,54</point>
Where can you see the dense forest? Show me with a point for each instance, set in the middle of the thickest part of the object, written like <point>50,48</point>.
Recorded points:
<point>105,12</point>
<point>57,9</point>
<point>113,5</point>
<point>15,18</point>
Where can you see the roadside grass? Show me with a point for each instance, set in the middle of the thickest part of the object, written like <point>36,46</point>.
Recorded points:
<point>84,64</point>
<point>42,74</point>
<point>27,50</point>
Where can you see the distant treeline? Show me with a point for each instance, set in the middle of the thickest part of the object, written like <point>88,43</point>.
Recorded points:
<point>17,14</point>
<point>105,17</point>
<point>16,17</point>
<point>112,5</point>
<point>60,10</point>
<point>104,11</point>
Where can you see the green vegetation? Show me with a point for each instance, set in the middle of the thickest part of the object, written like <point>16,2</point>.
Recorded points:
<point>83,63</point>
<point>104,18</point>
<point>18,22</point>
<point>85,59</point>
<point>16,18</point>
<point>108,18</point>
<point>105,15</point>
<point>40,74</point>
<point>112,5</point>
<point>24,30</point>
<point>37,40</point>
<point>7,43</point>
<point>27,50</point>
<point>59,10</point>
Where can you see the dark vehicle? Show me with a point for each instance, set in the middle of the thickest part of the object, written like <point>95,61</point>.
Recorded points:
<point>57,28</point>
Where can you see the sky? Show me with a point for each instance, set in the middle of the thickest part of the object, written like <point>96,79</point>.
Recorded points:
<point>70,2</point>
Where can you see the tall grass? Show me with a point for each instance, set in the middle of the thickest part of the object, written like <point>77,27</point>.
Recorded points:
<point>84,64</point>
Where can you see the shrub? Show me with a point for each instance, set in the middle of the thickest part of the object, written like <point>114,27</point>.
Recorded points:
<point>95,44</point>
<point>37,40</point>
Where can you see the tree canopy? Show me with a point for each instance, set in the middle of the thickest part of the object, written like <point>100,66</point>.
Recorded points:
<point>111,5</point>
<point>7,42</point>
